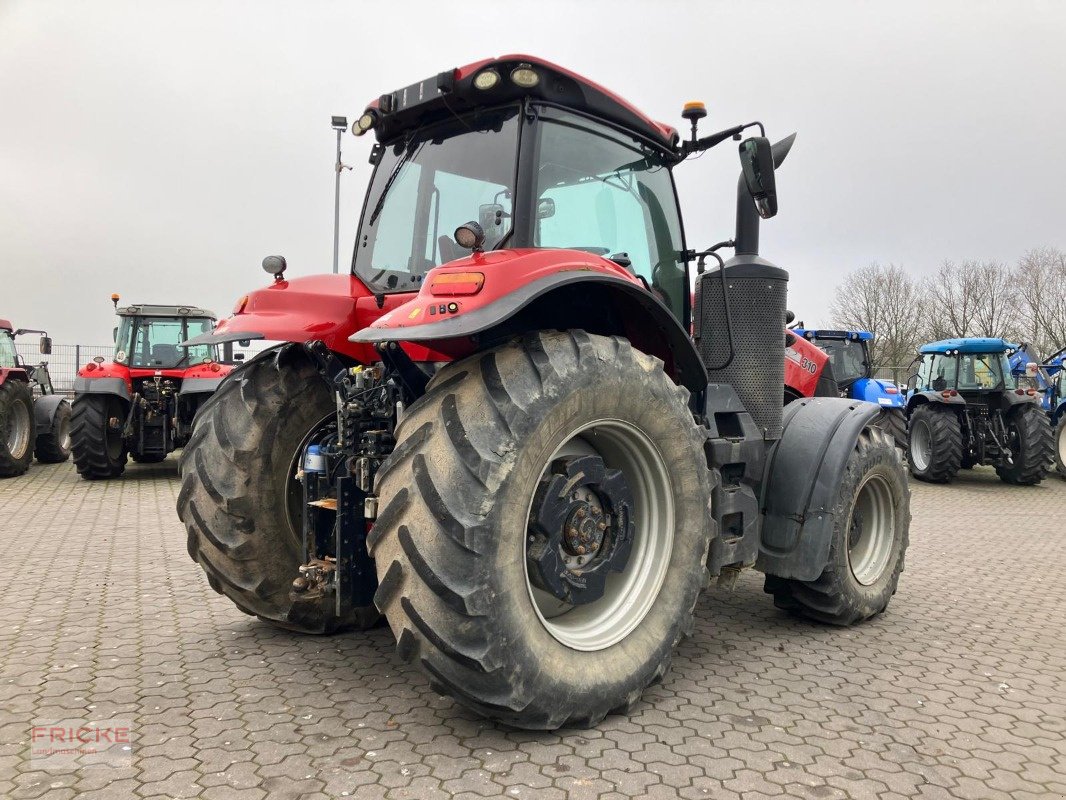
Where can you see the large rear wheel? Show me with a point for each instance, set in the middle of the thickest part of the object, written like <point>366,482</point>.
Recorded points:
<point>96,436</point>
<point>870,536</point>
<point>544,529</point>
<point>239,498</point>
<point>16,428</point>
<point>1030,439</point>
<point>934,450</point>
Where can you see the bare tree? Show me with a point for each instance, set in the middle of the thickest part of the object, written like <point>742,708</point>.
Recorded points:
<point>971,298</point>
<point>1040,282</point>
<point>886,301</point>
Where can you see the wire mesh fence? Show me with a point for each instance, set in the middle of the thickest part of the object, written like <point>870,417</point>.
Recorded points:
<point>64,360</point>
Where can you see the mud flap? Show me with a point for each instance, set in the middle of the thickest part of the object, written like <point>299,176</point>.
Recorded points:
<point>803,472</point>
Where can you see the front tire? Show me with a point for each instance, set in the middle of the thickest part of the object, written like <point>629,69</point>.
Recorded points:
<point>1031,446</point>
<point>870,537</point>
<point>461,500</point>
<point>98,447</point>
<point>239,499</point>
<point>53,446</point>
<point>17,428</point>
<point>934,443</point>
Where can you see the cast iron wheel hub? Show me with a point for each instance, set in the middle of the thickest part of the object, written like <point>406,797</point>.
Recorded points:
<point>581,529</point>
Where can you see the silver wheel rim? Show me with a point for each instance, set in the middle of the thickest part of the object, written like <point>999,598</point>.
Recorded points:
<point>64,434</point>
<point>920,445</point>
<point>1062,444</point>
<point>18,431</point>
<point>629,594</point>
<point>870,530</point>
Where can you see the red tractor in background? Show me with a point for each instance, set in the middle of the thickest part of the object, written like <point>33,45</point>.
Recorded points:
<point>498,432</point>
<point>143,402</point>
<point>34,420</point>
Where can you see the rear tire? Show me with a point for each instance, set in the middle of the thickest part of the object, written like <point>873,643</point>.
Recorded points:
<point>239,499</point>
<point>99,449</point>
<point>1032,448</point>
<point>934,444</point>
<point>53,446</point>
<point>17,428</point>
<point>894,422</point>
<point>1060,446</point>
<point>869,542</point>
<point>450,541</point>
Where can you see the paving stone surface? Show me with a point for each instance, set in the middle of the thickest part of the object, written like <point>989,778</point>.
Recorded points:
<point>959,691</point>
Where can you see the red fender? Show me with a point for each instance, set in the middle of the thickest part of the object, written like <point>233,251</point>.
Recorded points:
<point>327,308</point>
<point>14,374</point>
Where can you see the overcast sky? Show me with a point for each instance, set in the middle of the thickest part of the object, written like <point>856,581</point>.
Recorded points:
<point>160,150</point>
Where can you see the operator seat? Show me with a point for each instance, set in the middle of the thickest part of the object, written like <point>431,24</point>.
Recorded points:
<point>164,353</point>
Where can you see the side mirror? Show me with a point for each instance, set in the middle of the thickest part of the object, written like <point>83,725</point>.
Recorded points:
<point>491,216</point>
<point>46,345</point>
<point>757,162</point>
<point>546,208</point>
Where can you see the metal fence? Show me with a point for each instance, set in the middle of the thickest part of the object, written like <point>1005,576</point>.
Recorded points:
<point>897,375</point>
<point>64,361</point>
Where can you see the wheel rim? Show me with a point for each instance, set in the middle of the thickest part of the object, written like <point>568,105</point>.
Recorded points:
<point>1062,444</point>
<point>629,594</point>
<point>871,529</point>
<point>920,445</point>
<point>18,430</point>
<point>64,433</point>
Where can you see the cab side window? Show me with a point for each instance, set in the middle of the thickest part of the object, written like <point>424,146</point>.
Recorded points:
<point>603,192</point>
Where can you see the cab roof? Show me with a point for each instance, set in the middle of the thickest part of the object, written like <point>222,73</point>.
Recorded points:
<point>974,345</point>
<point>151,310</point>
<point>453,91</point>
<point>862,336</point>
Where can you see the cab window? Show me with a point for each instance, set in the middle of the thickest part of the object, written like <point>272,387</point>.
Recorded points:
<point>606,193</point>
<point>7,350</point>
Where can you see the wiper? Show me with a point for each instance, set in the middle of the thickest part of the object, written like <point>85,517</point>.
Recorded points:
<point>409,153</point>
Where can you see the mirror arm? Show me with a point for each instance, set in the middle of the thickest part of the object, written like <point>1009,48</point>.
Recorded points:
<point>691,146</point>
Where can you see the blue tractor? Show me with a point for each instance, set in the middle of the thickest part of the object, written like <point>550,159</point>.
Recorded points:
<point>1050,378</point>
<point>850,368</point>
<point>966,408</point>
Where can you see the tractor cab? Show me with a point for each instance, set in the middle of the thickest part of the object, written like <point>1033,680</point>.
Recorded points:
<point>974,369</point>
<point>848,351</point>
<point>524,172</point>
<point>148,337</point>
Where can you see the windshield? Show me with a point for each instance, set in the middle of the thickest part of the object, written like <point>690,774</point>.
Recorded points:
<point>153,342</point>
<point>848,358</point>
<point>422,190</point>
<point>7,350</point>
<point>970,372</point>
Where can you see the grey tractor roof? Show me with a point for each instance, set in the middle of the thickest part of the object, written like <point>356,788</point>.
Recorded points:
<point>150,310</point>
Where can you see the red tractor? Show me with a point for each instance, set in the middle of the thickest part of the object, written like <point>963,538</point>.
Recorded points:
<point>143,402</point>
<point>498,432</point>
<point>34,420</point>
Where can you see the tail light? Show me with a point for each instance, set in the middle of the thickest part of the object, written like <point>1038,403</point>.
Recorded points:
<point>90,367</point>
<point>949,393</point>
<point>891,390</point>
<point>455,284</point>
